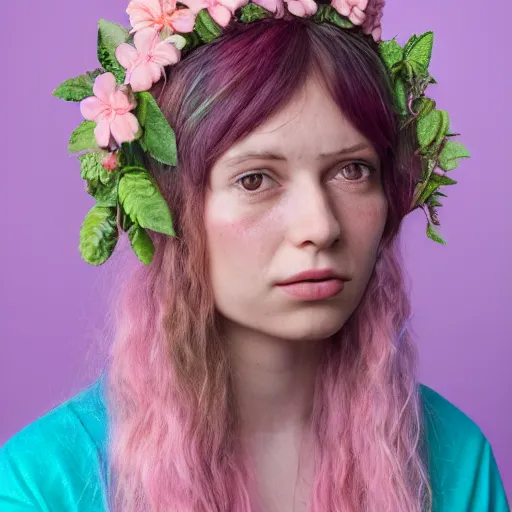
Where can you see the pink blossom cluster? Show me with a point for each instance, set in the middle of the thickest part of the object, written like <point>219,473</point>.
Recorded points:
<point>156,25</point>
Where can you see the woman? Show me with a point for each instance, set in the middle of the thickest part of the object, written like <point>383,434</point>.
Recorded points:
<point>228,389</point>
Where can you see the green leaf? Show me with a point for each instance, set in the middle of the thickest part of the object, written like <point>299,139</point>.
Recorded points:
<point>423,106</point>
<point>159,138</point>
<point>434,235</point>
<point>444,128</point>
<point>132,154</point>
<point>205,27</point>
<point>107,195</point>
<point>98,235</point>
<point>420,50</point>
<point>410,43</point>
<point>450,154</point>
<point>253,12</point>
<point>142,201</point>
<point>126,222</point>
<point>401,96</point>
<point>110,36</point>
<point>327,13</point>
<point>428,127</point>
<point>78,88</point>
<point>91,168</point>
<point>83,137</point>
<point>435,181</point>
<point>391,53</point>
<point>141,244</point>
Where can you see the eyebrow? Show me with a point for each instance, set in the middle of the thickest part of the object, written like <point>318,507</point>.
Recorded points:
<point>272,155</point>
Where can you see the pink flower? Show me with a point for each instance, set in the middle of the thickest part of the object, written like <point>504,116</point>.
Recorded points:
<point>275,6</point>
<point>220,10</point>
<point>110,161</point>
<point>110,109</point>
<point>302,8</point>
<point>145,63</point>
<point>159,14</point>
<point>354,10</point>
<point>372,24</point>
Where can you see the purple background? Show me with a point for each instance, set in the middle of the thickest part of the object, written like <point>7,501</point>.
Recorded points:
<point>52,303</point>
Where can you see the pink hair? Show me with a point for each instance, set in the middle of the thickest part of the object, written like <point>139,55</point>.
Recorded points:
<point>173,426</point>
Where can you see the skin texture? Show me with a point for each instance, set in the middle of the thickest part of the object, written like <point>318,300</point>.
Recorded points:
<point>303,212</point>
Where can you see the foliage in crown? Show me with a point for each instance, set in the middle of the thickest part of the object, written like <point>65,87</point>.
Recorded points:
<point>123,122</point>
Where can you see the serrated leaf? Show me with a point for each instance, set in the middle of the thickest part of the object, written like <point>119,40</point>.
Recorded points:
<point>391,53</point>
<point>98,235</point>
<point>253,12</point>
<point>91,168</point>
<point>142,201</point>
<point>77,88</point>
<point>83,137</point>
<point>110,36</point>
<point>450,154</point>
<point>428,127</point>
<point>421,49</point>
<point>410,43</point>
<point>435,202</point>
<point>141,244</point>
<point>327,13</point>
<point>205,27</point>
<point>106,195</point>
<point>158,138</point>
<point>434,235</point>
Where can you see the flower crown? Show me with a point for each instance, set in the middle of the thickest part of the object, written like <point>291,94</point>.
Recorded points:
<point>123,121</point>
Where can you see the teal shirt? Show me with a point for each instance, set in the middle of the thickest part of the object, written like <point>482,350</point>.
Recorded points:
<point>59,461</point>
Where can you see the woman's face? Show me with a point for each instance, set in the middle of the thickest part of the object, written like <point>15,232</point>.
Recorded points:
<point>300,210</point>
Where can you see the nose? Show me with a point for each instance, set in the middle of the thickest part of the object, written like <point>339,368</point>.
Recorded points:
<point>312,217</point>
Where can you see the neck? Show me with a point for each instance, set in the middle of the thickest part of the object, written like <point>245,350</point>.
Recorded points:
<point>273,381</point>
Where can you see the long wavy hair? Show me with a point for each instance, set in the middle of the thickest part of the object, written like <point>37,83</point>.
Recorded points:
<point>173,438</point>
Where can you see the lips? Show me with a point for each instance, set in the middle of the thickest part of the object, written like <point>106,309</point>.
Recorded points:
<point>314,275</point>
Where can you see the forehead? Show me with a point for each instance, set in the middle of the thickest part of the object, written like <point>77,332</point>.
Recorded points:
<point>309,126</point>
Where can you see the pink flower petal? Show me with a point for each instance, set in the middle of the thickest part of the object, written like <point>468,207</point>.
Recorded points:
<point>141,79</point>
<point>165,54</point>
<point>183,20</point>
<point>102,133</point>
<point>120,101</point>
<point>104,86</point>
<point>169,6</point>
<point>155,72</point>
<point>222,15</point>
<point>145,40</point>
<point>141,25</point>
<point>342,7</point>
<point>233,5</point>
<point>126,54</point>
<point>357,16</point>
<point>310,6</point>
<point>195,5</point>
<point>140,10</point>
<point>296,8</point>
<point>275,6</point>
<point>92,108</point>
<point>124,128</point>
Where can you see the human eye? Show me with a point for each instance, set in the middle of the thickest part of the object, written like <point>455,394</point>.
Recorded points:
<point>249,182</point>
<point>358,168</point>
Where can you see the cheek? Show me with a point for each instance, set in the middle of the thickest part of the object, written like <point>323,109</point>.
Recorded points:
<point>236,240</point>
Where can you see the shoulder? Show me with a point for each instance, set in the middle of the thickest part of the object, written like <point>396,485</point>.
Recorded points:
<point>462,466</point>
<point>58,460</point>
